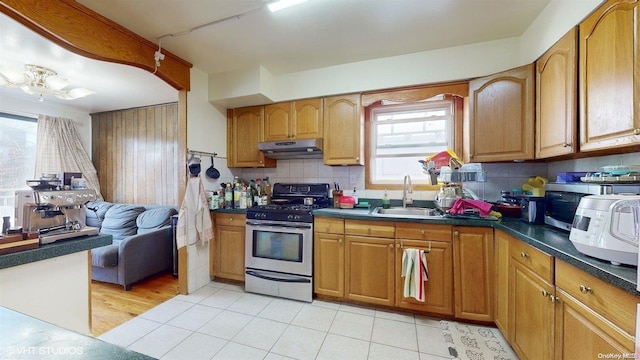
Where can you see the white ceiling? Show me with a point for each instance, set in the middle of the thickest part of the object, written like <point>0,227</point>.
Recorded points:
<point>315,34</point>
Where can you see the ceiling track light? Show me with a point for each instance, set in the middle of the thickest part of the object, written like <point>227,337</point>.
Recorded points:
<point>273,5</point>
<point>39,80</point>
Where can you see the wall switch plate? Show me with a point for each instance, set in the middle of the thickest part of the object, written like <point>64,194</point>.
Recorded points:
<point>352,179</point>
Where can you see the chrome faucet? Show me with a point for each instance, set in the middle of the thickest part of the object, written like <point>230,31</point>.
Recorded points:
<point>406,191</point>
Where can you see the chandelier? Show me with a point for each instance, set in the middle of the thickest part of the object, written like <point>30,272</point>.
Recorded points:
<point>39,80</point>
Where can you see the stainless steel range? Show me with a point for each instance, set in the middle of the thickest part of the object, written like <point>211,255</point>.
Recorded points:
<point>279,241</point>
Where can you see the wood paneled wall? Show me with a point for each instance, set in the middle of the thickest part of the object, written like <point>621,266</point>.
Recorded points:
<point>136,153</point>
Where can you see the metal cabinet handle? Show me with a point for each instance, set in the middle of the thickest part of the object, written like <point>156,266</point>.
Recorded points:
<point>585,289</point>
<point>456,233</point>
<point>397,246</point>
<point>340,241</point>
<point>566,144</point>
<point>545,293</point>
<point>636,131</point>
<point>554,299</point>
<point>524,255</point>
<point>230,219</point>
<point>422,232</point>
<point>390,246</point>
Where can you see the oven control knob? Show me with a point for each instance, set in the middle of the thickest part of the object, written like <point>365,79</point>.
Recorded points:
<point>290,217</point>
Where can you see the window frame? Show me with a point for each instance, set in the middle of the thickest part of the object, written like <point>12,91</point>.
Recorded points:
<point>459,111</point>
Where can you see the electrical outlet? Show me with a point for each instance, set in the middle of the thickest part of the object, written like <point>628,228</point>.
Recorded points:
<point>352,179</point>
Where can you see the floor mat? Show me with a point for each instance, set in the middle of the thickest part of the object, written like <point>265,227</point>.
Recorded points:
<point>473,342</point>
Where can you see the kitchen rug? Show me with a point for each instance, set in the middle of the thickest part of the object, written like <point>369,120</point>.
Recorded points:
<point>473,342</point>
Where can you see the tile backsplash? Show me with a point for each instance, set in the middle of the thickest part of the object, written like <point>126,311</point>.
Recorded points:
<point>500,176</point>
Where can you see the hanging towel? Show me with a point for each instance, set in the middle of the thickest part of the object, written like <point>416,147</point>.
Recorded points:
<point>194,221</point>
<point>415,273</point>
<point>460,205</point>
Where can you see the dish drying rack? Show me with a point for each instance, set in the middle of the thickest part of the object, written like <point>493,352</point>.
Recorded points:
<point>614,174</point>
<point>470,178</point>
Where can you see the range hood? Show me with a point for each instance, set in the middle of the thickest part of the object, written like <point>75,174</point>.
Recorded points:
<point>292,149</point>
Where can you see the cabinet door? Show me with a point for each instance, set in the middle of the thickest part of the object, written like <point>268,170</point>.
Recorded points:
<point>328,266</point>
<point>307,119</point>
<point>531,313</point>
<point>609,100</point>
<point>473,273</point>
<point>244,131</point>
<point>439,287</point>
<point>343,130</point>
<point>556,98</point>
<point>230,239</point>
<point>502,282</point>
<point>582,334</point>
<point>369,274</point>
<point>502,107</point>
<point>277,122</point>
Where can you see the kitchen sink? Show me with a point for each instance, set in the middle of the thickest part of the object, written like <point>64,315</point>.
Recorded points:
<point>412,212</point>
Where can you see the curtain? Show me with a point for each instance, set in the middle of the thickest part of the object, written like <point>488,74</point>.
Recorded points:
<point>59,149</point>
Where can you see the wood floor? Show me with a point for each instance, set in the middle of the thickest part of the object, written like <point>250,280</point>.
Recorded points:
<point>112,306</point>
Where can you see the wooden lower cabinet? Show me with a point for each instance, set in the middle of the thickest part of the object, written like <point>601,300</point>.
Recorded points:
<point>581,333</point>
<point>473,268</point>
<point>369,274</point>
<point>531,314</point>
<point>439,288</point>
<point>328,267</point>
<point>228,253</point>
<point>436,241</point>
<point>328,264</point>
<point>501,274</point>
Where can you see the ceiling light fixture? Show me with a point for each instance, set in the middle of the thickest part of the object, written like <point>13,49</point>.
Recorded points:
<point>39,80</point>
<point>282,4</point>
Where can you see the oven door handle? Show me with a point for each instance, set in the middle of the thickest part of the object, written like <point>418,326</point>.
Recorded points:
<point>286,226</point>
<point>266,277</point>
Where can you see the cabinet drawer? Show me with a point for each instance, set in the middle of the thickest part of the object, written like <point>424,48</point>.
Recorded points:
<point>328,225</point>
<point>532,258</point>
<point>370,228</point>
<point>423,232</point>
<point>227,219</point>
<point>613,303</point>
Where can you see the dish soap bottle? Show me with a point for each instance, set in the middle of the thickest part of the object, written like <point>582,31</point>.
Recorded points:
<point>385,201</point>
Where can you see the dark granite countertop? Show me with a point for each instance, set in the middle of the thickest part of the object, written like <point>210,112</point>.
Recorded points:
<point>58,248</point>
<point>545,238</point>
<point>229,211</point>
<point>23,337</point>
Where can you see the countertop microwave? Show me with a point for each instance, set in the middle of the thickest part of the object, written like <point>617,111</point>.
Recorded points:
<point>562,199</point>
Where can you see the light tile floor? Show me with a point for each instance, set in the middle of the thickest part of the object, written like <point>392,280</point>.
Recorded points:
<point>222,321</point>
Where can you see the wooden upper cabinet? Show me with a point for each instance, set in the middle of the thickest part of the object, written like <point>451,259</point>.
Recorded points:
<point>245,129</point>
<point>308,119</point>
<point>501,116</point>
<point>609,81</point>
<point>301,119</point>
<point>343,130</point>
<point>277,122</point>
<point>556,98</point>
